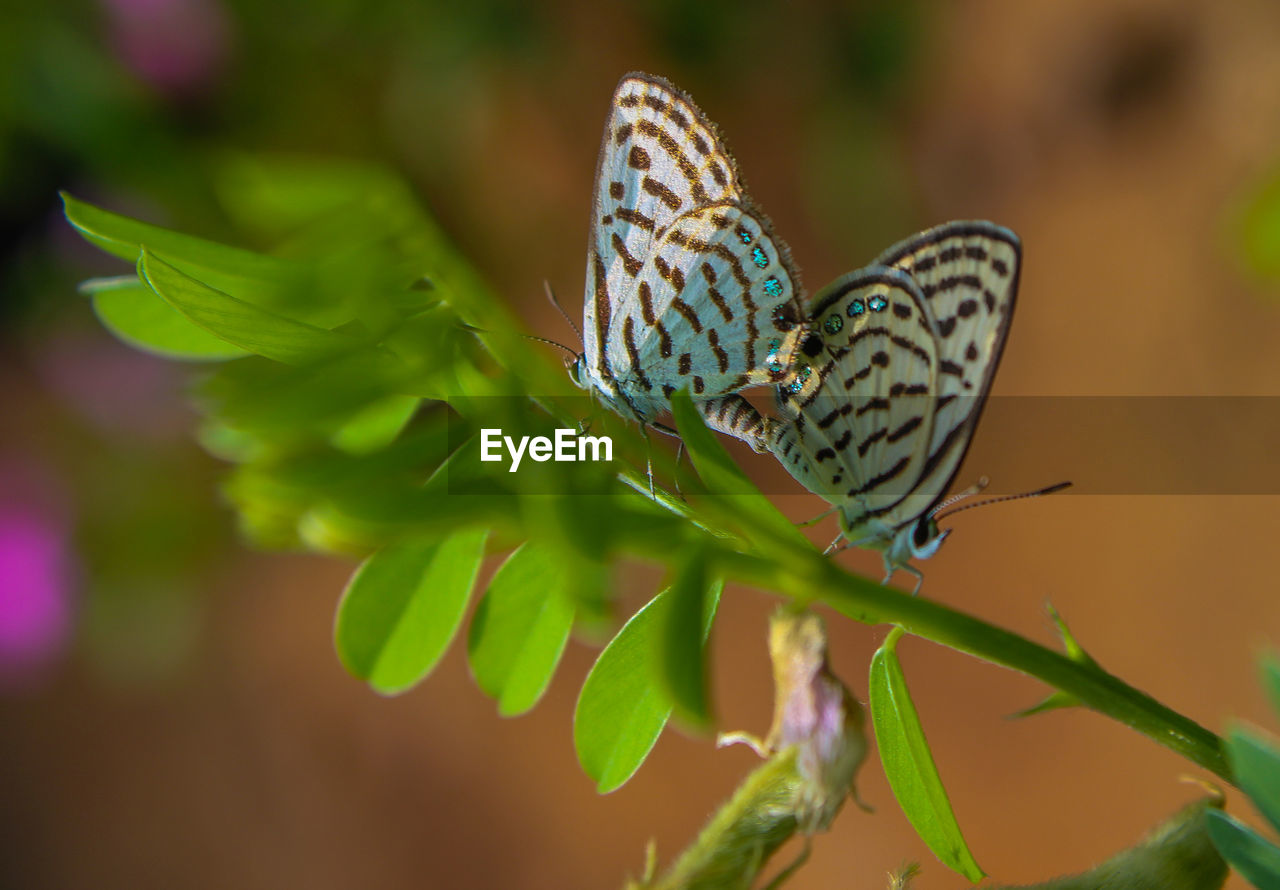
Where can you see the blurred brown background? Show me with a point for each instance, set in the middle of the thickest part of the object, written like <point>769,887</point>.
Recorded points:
<point>173,712</point>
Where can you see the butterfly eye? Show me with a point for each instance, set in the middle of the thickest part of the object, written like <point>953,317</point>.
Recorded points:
<point>925,529</point>
<point>812,345</point>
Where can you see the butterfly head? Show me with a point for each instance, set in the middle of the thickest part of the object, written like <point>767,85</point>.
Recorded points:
<point>915,540</point>
<point>925,537</point>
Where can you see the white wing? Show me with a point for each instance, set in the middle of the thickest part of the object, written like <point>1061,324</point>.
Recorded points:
<point>861,420</point>
<point>660,157</point>
<point>716,311</point>
<point>968,273</point>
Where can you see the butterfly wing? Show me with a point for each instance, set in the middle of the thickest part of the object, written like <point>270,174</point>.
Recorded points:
<point>659,158</point>
<point>861,418</point>
<point>716,310</point>
<point>968,275</point>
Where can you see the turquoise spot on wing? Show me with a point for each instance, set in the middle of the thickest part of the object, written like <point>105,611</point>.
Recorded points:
<point>759,257</point>
<point>802,377</point>
<point>745,235</point>
<point>833,324</point>
<point>772,361</point>
<point>856,308</point>
<point>773,287</point>
<point>877,303</point>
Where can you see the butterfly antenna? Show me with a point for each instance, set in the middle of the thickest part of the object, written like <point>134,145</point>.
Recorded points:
<point>973,489</point>
<point>551,295</point>
<point>1007,497</point>
<point>572,352</point>
<point>475,330</point>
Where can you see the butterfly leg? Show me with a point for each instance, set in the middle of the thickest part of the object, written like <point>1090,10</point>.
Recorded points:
<point>648,459</point>
<point>676,475</point>
<point>668,431</point>
<point>815,520</point>
<point>919,577</point>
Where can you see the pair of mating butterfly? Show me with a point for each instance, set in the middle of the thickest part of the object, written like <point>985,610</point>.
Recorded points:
<point>879,381</point>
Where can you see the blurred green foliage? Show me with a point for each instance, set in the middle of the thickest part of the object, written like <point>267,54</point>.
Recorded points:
<point>354,426</point>
<point>1259,230</point>
<point>1256,760</point>
<point>347,356</point>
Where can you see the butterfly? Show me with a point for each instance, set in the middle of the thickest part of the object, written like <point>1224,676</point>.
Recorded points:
<point>892,378</point>
<point>687,286</point>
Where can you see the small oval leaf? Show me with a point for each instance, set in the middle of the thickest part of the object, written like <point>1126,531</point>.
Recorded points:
<point>403,606</point>
<point>621,709</point>
<point>239,323</point>
<point>519,630</point>
<point>1271,679</point>
<point>376,425</point>
<point>908,763</point>
<point>1256,765</point>
<point>232,269</point>
<point>1247,851</point>
<point>136,315</point>
<point>682,654</point>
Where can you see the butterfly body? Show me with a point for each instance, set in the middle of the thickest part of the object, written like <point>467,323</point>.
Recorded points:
<point>686,285</point>
<point>903,352</point>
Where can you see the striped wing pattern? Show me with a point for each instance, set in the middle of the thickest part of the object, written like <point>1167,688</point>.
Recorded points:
<point>862,418</point>
<point>880,419</point>
<point>968,274</point>
<point>712,311</point>
<point>686,284</point>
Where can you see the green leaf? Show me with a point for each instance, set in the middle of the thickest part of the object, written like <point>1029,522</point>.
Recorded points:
<point>230,269</point>
<point>520,629</point>
<point>1247,851</point>
<point>376,425</point>
<point>403,606</point>
<point>136,315</point>
<point>1054,701</point>
<point>1070,646</point>
<point>690,604</point>
<point>1260,230</point>
<point>283,193</point>
<point>908,762</point>
<point>731,491</point>
<point>289,402</point>
<point>239,323</point>
<point>1257,768</point>
<point>621,710</point>
<point>1271,679</point>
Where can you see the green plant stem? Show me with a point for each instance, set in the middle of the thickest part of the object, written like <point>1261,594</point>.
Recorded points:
<point>812,577</point>
<point>807,576</point>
